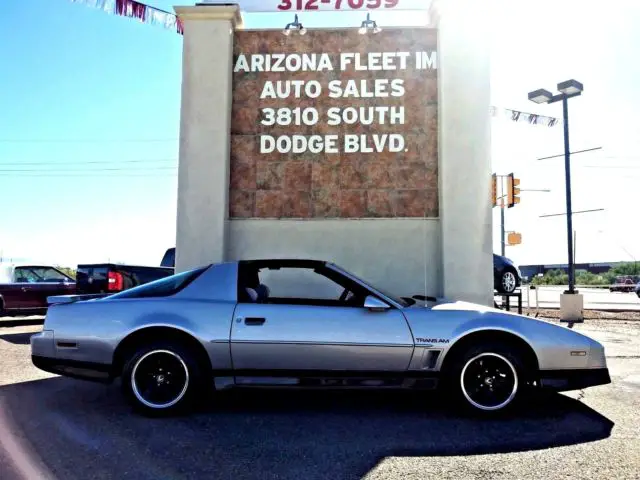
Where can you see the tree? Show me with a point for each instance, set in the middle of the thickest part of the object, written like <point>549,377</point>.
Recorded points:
<point>68,271</point>
<point>627,268</point>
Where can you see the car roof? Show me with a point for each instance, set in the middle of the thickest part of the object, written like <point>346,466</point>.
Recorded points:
<point>284,263</point>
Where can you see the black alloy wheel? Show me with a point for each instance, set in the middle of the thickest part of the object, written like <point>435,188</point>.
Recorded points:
<point>162,379</point>
<point>487,379</point>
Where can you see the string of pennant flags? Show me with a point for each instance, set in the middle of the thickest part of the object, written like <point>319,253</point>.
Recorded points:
<point>154,16</point>
<point>524,117</point>
<point>141,11</point>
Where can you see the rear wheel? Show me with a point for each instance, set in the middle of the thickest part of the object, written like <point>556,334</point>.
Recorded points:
<point>487,378</point>
<point>162,378</point>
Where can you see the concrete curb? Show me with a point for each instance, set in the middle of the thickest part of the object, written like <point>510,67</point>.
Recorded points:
<point>20,322</point>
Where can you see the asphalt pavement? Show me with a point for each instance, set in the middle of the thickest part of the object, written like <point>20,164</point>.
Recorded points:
<point>60,428</point>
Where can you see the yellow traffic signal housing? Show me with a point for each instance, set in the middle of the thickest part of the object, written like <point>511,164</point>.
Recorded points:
<point>514,238</point>
<point>494,190</point>
<point>513,190</point>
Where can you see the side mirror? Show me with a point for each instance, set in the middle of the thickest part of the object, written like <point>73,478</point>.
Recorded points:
<point>375,305</point>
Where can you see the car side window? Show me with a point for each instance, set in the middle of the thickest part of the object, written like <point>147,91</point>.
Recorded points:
<point>25,275</point>
<point>38,275</point>
<point>298,286</point>
<point>301,283</point>
<point>48,274</point>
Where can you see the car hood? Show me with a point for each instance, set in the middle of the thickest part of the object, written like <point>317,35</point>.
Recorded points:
<point>443,304</point>
<point>463,312</point>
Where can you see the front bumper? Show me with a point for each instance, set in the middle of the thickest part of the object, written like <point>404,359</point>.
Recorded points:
<point>576,379</point>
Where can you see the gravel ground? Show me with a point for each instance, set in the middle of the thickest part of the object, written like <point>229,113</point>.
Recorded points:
<point>554,314</point>
<point>54,427</point>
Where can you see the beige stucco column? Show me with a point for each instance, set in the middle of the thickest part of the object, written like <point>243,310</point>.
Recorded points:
<point>205,124</point>
<point>464,148</point>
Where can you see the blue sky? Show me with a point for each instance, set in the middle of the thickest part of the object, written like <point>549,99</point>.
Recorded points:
<point>80,86</point>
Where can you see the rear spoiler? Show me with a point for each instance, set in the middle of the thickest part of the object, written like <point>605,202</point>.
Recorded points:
<point>60,299</point>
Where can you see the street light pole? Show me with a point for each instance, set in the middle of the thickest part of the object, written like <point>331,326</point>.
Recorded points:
<point>567,174</point>
<point>567,89</point>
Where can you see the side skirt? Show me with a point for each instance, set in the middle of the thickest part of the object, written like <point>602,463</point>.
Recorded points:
<point>326,379</point>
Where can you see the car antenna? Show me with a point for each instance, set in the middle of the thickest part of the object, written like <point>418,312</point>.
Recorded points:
<point>424,251</point>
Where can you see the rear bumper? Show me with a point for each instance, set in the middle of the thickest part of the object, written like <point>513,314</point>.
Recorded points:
<point>96,372</point>
<point>565,380</point>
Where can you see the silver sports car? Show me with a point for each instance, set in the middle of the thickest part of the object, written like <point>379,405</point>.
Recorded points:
<point>305,323</point>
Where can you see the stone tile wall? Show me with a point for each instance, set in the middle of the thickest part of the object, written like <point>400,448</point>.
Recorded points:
<point>341,184</point>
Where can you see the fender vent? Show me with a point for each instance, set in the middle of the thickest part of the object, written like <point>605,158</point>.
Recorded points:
<point>431,359</point>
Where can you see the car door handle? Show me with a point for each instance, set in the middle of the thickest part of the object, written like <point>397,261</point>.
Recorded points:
<point>25,289</point>
<point>254,321</point>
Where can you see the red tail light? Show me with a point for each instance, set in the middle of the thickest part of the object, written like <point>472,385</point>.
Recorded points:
<point>115,281</point>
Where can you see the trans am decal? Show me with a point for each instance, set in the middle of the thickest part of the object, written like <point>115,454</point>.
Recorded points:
<point>432,340</point>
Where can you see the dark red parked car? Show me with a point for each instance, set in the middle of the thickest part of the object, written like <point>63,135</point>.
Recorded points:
<point>24,288</point>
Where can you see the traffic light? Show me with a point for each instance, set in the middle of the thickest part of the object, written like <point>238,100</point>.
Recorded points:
<point>494,190</point>
<point>513,190</point>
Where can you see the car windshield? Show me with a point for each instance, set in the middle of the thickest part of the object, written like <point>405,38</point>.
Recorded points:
<point>390,296</point>
<point>161,288</point>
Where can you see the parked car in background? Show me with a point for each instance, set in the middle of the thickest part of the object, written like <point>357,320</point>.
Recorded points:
<point>24,288</point>
<point>108,278</point>
<point>625,283</point>
<point>169,259</point>
<point>506,275</point>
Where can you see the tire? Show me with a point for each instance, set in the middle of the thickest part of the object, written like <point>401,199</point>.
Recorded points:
<point>508,282</point>
<point>471,379</point>
<point>148,375</point>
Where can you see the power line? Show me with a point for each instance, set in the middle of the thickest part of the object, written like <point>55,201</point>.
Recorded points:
<point>606,167</point>
<point>86,140</point>
<point>572,153</point>
<point>101,175</point>
<point>110,162</point>
<point>573,213</point>
<point>88,170</point>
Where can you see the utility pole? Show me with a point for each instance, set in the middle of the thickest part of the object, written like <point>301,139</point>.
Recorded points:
<point>502,240</point>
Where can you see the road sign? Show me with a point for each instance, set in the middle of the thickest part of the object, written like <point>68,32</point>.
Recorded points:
<point>514,238</point>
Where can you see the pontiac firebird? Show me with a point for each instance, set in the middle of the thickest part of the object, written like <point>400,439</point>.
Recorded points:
<point>305,323</point>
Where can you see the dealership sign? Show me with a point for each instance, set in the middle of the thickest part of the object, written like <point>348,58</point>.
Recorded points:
<point>321,5</point>
<point>334,124</point>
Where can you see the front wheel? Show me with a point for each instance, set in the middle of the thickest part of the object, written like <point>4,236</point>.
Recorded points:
<point>487,378</point>
<point>508,282</point>
<point>161,379</point>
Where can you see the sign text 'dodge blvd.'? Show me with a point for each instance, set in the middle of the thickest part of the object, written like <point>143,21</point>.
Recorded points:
<point>321,5</point>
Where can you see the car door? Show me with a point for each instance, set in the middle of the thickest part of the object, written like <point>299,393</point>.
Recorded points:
<point>46,281</point>
<point>25,289</point>
<point>297,331</point>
